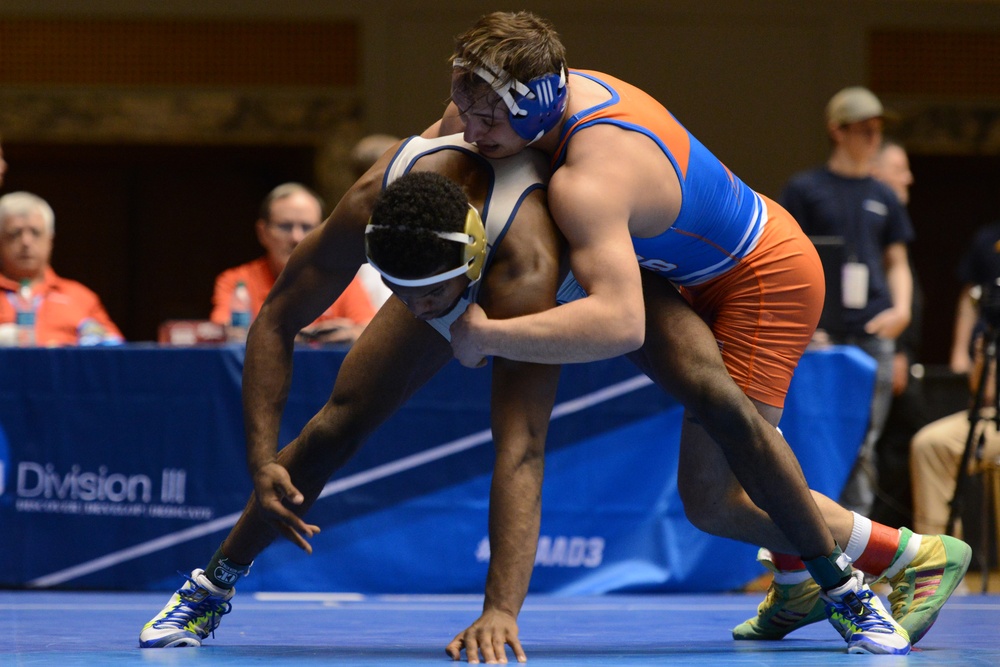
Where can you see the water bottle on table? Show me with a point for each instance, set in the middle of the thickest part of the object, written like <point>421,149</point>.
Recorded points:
<point>239,314</point>
<point>24,318</point>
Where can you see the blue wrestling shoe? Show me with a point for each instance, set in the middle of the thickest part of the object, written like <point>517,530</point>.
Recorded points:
<point>861,619</point>
<point>192,614</point>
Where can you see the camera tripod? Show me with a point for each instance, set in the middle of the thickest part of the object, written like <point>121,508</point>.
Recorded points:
<point>974,446</point>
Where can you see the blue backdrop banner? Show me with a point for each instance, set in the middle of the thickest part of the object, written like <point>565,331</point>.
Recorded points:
<point>121,466</point>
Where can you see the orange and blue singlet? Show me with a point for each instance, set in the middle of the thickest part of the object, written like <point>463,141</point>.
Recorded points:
<point>739,258</point>
<point>720,220</point>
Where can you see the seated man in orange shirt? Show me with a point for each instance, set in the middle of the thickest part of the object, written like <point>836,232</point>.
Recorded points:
<point>288,213</point>
<point>66,312</point>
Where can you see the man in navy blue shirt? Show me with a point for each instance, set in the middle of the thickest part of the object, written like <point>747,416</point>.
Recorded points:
<point>842,199</point>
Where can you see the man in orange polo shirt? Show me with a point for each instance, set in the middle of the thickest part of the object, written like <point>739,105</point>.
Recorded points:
<point>66,312</point>
<point>288,213</point>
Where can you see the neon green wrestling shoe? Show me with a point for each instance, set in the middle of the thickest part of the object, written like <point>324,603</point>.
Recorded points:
<point>787,607</point>
<point>923,582</point>
<point>193,612</point>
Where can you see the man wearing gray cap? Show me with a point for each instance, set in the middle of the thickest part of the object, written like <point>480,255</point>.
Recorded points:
<point>842,199</point>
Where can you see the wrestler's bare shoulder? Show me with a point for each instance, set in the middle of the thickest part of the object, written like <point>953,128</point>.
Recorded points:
<point>623,167</point>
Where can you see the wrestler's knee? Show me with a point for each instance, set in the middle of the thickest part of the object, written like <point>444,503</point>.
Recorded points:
<point>727,415</point>
<point>706,509</point>
<point>709,493</point>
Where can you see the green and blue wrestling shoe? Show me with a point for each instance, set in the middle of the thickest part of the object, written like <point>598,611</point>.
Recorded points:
<point>192,614</point>
<point>788,606</point>
<point>860,618</point>
<point>923,577</point>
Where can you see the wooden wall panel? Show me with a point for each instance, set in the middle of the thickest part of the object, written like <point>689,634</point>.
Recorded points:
<point>179,52</point>
<point>935,63</point>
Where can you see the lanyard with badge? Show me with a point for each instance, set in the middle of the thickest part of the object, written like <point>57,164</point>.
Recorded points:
<point>854,274</point>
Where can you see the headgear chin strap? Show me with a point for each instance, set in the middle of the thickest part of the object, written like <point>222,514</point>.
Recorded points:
<point>539,103</point>
<point>473,238</point>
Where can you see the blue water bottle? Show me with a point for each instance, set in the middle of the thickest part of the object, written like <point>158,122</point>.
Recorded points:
<point>239,314</point>
<point>24,318</point>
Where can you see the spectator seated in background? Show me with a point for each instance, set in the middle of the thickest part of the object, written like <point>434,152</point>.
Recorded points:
<point>66,312</point>
<point>288,213</point>
<point>936,450</point>
<point>936,453</point>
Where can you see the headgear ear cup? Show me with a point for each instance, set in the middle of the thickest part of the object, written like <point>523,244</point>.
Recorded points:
<point>541,111</point>
<point>475,250</point>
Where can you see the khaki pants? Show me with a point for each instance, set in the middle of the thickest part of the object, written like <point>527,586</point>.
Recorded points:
<point>935,454</point>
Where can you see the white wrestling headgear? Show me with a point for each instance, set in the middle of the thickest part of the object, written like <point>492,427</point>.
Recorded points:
<point>473,258</point>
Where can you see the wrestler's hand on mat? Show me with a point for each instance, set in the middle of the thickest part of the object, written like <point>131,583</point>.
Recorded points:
<point>463,337</point>
<point>273,487</point>
<point>488,635</point>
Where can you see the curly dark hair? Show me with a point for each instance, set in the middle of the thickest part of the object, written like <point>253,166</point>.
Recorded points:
<point>406,212</point>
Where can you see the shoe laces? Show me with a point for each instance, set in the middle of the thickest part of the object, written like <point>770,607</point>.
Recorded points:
<point>900,594</point>
<point>863,615</point>
<point>210,607</point>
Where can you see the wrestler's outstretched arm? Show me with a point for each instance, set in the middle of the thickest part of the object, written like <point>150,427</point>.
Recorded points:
<point>523,280</point>
<point>317,273</point>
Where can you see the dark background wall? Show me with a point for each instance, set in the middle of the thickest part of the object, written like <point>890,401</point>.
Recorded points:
<point>156,128</point>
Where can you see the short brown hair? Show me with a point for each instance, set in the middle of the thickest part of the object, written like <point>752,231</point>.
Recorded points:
<point>524,46</point>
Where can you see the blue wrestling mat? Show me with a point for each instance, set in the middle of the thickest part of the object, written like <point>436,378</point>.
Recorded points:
<point>338,630</point>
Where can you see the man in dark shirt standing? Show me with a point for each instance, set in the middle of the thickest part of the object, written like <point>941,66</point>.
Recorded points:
<point>842,199</point>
